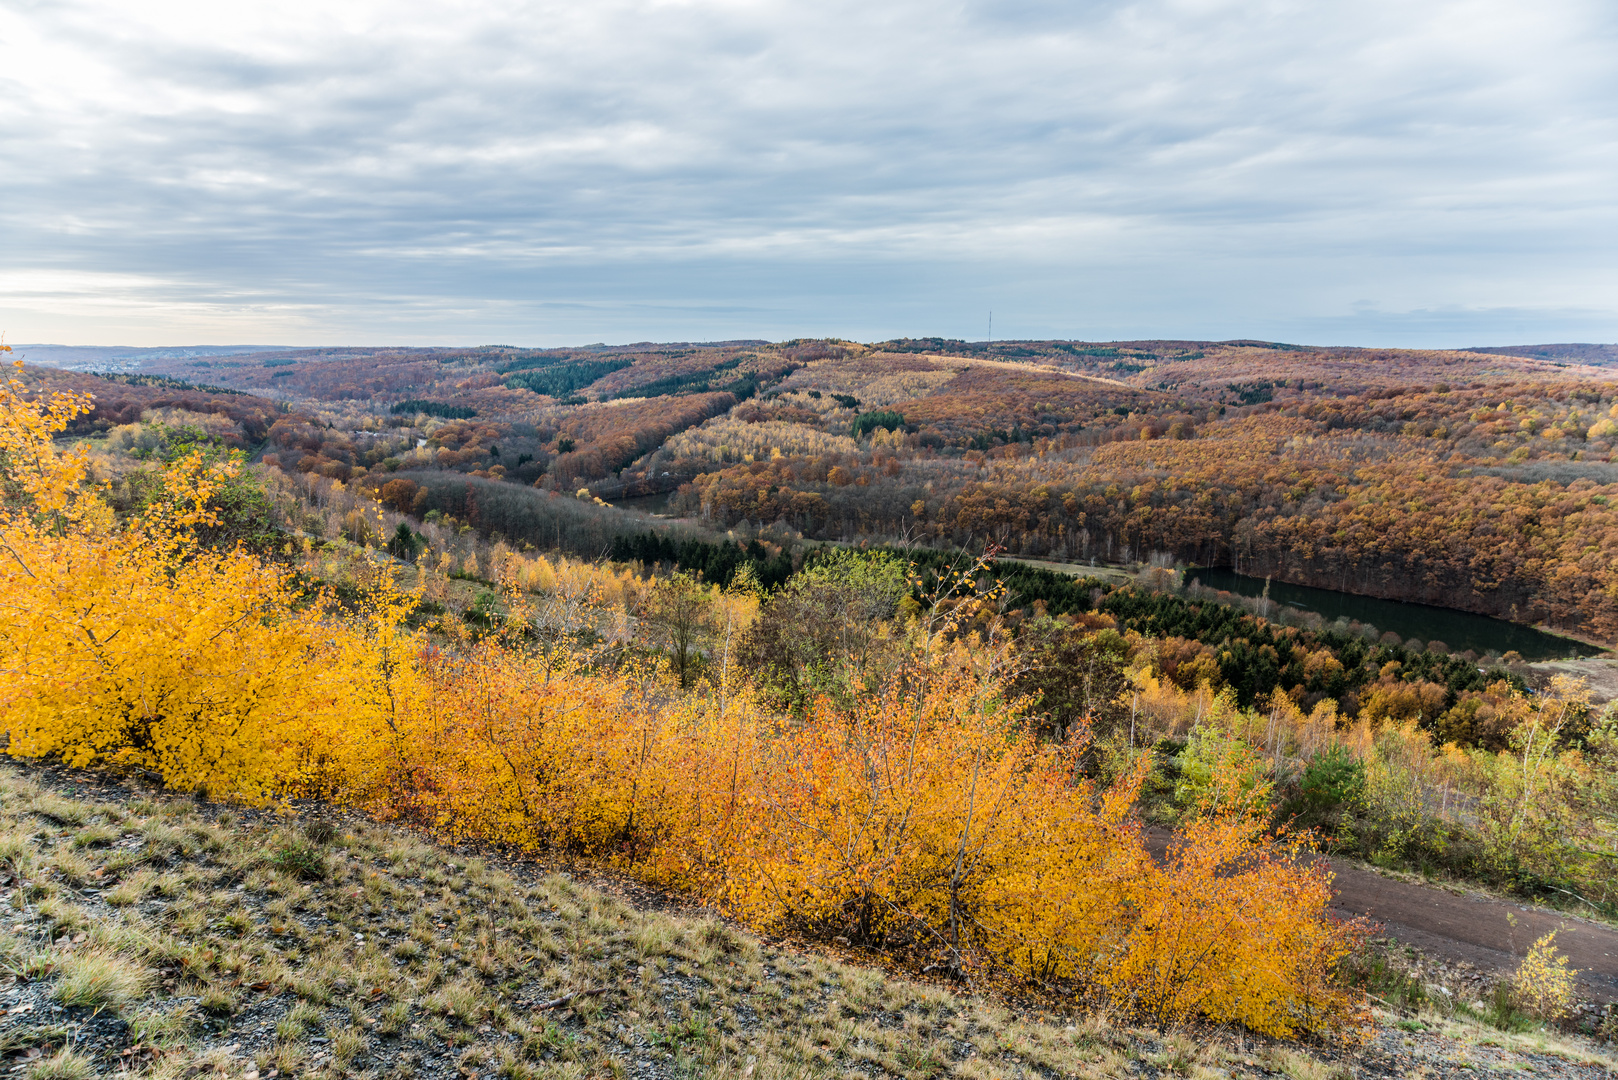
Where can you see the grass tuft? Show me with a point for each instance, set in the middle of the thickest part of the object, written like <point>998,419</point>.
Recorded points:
<point>93,836</point>
<point>61,811</point>
<point>65,1064</point>
<point>217,1001</point>
<point>300,859</point>
<point>320,832</point>
<point>99,980</point>
<point>16,851</point>
<point>74,868</point>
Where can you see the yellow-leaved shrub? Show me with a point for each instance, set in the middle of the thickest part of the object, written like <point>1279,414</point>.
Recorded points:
<point>920,814</point>
<point>1232,925</point>
<point>924,818</point>
<point>133,645</point>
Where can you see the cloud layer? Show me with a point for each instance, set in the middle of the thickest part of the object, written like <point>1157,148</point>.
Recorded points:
<point>545,173</point>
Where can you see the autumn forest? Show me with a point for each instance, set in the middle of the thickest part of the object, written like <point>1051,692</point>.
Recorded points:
<point>1466,480</point>
<point>871,643</point>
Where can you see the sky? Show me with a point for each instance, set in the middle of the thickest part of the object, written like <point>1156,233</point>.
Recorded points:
<point>1374,172</point>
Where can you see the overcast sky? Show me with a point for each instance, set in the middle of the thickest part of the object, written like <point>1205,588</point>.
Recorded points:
<point>1326,171</point>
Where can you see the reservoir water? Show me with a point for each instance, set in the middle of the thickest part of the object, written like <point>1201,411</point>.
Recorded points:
<point>1460,630</point>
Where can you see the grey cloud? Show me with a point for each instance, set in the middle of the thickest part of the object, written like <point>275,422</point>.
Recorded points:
<point>717,170</point>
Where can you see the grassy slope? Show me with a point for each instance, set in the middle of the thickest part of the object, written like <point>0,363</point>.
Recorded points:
<point>168,938</point>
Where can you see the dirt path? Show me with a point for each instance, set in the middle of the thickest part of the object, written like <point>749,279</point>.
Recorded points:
<point>1492,934</point>
<point>1601,672</point>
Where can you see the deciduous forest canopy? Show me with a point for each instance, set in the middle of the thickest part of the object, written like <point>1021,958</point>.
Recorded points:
<point>1477,480</point>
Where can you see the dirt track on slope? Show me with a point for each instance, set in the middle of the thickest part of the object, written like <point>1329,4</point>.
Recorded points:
<point>1476,928</point>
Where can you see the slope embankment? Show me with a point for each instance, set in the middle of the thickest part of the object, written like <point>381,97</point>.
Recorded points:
<point>158,936</point>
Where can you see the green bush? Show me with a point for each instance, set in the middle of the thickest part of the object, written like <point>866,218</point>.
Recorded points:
<point>1331,781</point>
<point>300,859</point>
<point>1219,771</point>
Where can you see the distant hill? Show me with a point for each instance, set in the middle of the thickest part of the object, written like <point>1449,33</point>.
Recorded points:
<point>1378,472</point>
<point>122,357</point>
<point>1568,352</point>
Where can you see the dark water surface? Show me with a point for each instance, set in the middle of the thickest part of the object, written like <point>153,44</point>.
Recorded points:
<point>646,504</point>
<point>1460,630</point>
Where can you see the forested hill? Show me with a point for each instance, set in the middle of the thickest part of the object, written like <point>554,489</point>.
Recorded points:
<point>1482,480</point>
<point>1574,352</point>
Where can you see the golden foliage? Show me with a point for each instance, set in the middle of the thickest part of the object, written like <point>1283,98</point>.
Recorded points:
<point>727,440</point>
<point>924,818</point>
<point>877,379</point>
<point>1222,933</point>
<point>1543,984</point>
<point>135,646</point>
<point>920,815</point>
